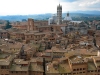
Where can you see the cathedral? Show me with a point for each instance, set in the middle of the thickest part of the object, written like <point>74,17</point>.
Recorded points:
<point>57,19</point>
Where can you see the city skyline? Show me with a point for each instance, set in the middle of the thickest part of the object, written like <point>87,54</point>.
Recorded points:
<point>27,7</point>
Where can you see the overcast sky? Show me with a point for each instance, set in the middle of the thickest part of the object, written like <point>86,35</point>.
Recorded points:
<point>22,7</point>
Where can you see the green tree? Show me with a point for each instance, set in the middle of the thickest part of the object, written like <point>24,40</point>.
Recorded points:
<point>8,25</point>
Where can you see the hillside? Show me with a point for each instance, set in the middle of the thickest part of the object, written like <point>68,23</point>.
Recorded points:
<point>75,16</point>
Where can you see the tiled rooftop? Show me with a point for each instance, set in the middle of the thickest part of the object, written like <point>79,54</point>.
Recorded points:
<point>20,61</point>
<point>80,49</point>
<point>57,67</point>
<point>98,63</point>
<point>7,60</point>
<point>37,59</point>
<point>3,55</point>
<point>19,65</point>
<point>35,67</point>
<point>77,59</point>
<point>64,68</point>
<point>15,67</point>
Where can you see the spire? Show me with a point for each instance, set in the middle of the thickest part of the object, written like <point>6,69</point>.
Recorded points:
<point>68,13</point>
<point>59,6</point>
<point>59,3</point>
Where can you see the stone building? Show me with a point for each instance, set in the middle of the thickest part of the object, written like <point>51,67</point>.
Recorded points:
<point>59,14</point>
<point>4,34</point>
<point>34,32</point>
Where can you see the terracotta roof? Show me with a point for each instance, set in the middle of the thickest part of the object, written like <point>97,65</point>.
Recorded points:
<point>35,67</point>
<point>37,59</point>
<point>7,60</point>
<point>91,66</point>
<point>20,61</point>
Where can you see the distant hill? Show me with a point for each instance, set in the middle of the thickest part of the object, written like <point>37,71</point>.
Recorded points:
<point>89,12</point>
<point>75,14</point>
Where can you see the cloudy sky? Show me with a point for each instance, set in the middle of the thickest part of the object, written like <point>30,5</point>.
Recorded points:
<point>22,7</point>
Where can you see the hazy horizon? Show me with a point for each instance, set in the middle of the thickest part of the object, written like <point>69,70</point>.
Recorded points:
<point>28,7</point>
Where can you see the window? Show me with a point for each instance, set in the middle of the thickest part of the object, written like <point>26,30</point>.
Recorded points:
<point>21,71</point>
<point>74,73</point>
<point>77,69</point>
<point>83,68</point>
<point>98,70</point>
<point>3,67</point>
<point>7,67</point>
<point>88,71</point>
<point>80,72</point>
<point>91,71</point>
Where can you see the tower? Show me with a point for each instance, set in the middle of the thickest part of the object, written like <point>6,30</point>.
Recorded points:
<point>68,14</point>
<point>59,14</point>
<point>21,51</point>
<point>30,26</point>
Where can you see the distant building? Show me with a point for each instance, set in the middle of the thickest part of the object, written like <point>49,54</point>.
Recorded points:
<point>59,14</point>
<point>67,18</point>
<point>56,19</point>
<point>52,20</point>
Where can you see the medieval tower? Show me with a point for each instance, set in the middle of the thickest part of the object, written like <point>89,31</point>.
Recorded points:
<point>30,26</point>
<point>59,14</point>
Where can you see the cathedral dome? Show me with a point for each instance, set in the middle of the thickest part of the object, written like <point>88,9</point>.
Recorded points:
<point>67,18</point>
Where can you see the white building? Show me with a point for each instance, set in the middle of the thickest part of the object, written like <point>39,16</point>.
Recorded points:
<point>67,18</point>
<point>59,14</point>
<point>56,19</point>
<point>70,24</point>
<point>52,20</point>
